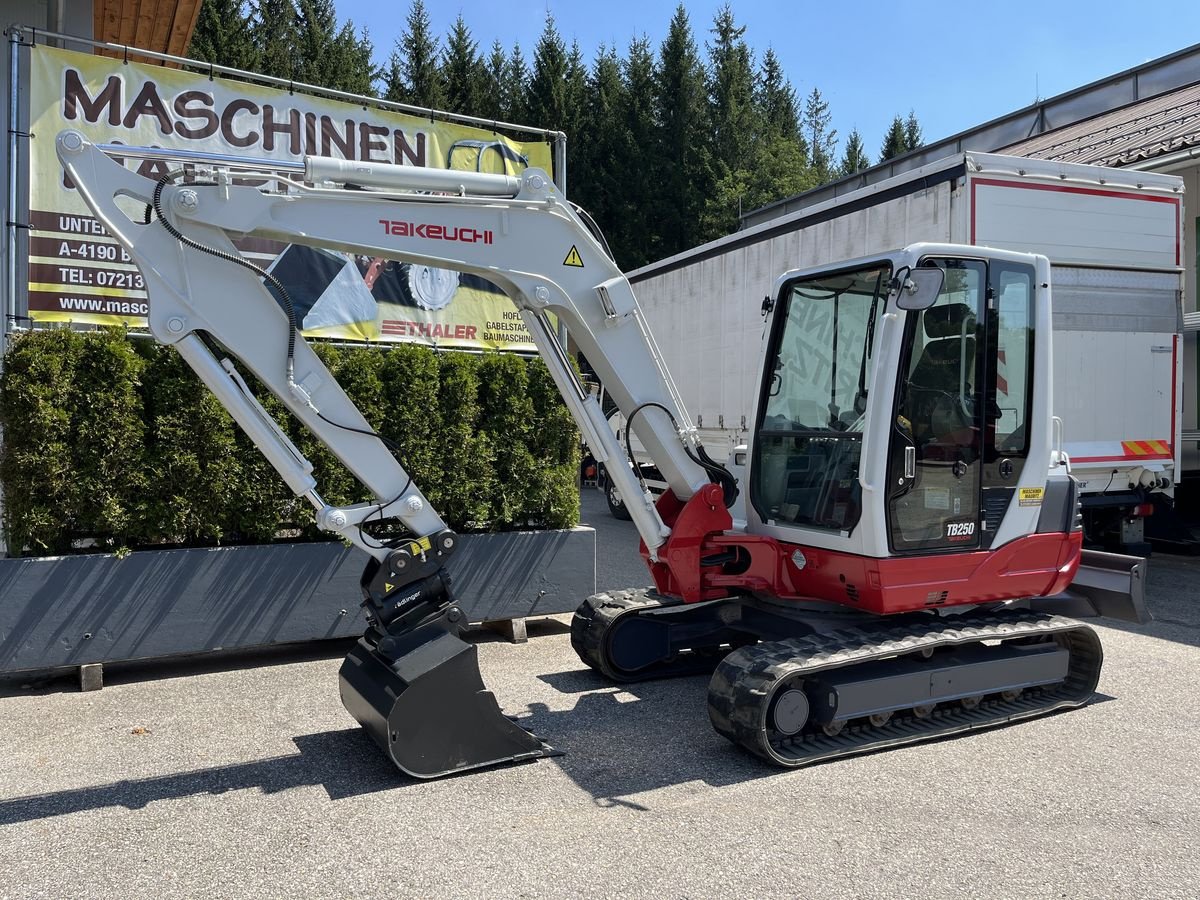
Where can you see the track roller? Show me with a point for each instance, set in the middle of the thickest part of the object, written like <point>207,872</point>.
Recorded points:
<point>810,699</point>
<point>637,635</point>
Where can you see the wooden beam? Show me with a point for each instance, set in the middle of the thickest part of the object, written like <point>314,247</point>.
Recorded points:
<point>187,13</point>
<point>163,20</point>
<point>147,22</point>
<point>128,23</point>
<point>164,26</point>
<point>107,21</point>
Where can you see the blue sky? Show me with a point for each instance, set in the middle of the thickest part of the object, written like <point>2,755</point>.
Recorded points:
<point>955,64</point>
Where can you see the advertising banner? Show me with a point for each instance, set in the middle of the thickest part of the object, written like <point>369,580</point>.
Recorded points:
<point>78,274</point>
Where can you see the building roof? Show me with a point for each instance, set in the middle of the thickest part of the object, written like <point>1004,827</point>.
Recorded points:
<point>1166,80</point>
<point>164,26</point>
<point>1133,133</point>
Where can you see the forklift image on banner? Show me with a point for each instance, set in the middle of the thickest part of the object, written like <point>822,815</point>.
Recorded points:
<point>486,156</point>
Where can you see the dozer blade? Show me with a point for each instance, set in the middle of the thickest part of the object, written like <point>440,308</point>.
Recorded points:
<point>422,699</point>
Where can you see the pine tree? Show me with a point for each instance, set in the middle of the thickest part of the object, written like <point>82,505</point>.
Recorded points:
<point>492,102</point>
<point>516,87</point>
<point>275,33</point>
<point>330,56</point>
<point>682,162</point>
<point>596,178</point>
<point>316,23</point>
<point>780,170</point>
<point>776,99</point>
<point>548,85</point>
<point>855,158</point>
<point>576,96</point>
<point>636,239</point>
<point>895,142</point>
<point>463,70</point>
<point>731,93</point>
<point>413,74</point>
<point>912,132</point>
<point>352,66</point>
<point>223,35</point>
<point>822,140</point>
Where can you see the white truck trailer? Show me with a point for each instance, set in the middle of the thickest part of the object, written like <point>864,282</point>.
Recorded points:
<point>1113,236</point>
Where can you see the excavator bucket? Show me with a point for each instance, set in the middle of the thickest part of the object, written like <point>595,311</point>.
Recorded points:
<point>421,698</point>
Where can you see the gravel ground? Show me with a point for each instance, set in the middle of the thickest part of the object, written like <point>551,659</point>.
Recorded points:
<point>212,780</point>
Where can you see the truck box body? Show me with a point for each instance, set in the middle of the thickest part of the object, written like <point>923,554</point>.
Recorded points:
<point>1112,236</point>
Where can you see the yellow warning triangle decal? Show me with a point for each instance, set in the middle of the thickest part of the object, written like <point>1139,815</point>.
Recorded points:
<point>388,587</point>
<point>573,258</point>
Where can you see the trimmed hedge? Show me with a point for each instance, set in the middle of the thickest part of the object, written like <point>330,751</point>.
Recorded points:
<point>117,441</point>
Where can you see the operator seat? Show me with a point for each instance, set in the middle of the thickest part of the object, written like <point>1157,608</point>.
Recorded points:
<point>935,402</point>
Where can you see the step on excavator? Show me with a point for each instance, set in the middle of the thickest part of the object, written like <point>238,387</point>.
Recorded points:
<point>909,563</point>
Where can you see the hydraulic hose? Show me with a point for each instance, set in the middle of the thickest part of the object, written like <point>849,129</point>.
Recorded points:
<point>717,473</point>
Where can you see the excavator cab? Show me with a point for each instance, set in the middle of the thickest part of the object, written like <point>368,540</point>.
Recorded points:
<point>902,415</point>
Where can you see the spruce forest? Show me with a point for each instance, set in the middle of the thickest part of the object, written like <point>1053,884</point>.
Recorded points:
<point>700,124</point>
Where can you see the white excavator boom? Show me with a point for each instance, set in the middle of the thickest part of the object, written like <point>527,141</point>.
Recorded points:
<point>516,232</point>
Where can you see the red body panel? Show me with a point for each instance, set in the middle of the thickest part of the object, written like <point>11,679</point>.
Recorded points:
<point>678,572</point>
<point>1036,565</point>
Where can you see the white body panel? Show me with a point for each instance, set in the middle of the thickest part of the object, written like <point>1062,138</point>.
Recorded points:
<point>1115,251</point>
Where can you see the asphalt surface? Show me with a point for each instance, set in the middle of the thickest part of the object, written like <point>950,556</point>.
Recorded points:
<point>245,778</point>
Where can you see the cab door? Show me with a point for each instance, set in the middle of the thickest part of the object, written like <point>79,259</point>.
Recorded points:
<point>1009,387</point>
<point>936,449</point>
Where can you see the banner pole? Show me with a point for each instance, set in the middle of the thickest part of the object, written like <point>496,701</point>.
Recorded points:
<point>14,127</point>
<point>10,299</point>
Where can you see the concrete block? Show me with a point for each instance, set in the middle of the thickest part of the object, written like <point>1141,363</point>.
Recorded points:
<point>91,677</point>
<point>513,630</point>
<point>79,610</point>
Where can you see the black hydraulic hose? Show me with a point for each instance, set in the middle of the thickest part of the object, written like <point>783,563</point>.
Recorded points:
<point>717,473</point>
<point>594,228</point>
<point>290,310</point>
<point>284,297</point>
<point>729,485</point>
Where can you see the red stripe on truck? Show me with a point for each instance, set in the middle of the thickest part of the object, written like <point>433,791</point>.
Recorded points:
<point>1068,189</point>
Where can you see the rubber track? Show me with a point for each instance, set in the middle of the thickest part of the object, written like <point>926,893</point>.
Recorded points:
<point>744,683</point>
<point>599,613</point>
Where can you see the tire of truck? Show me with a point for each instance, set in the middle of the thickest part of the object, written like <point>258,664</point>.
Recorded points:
<point>616,505</point>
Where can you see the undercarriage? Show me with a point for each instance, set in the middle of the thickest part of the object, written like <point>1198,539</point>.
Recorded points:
<point>803,685</point>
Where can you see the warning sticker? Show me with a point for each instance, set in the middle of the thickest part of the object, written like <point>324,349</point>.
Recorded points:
<point>1032,496</point>
<point>573,258</point>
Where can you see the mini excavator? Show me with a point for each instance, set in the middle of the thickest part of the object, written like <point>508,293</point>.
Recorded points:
<point>911,547</point>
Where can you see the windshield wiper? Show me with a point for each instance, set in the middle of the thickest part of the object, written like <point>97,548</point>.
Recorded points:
<point>860,399</point>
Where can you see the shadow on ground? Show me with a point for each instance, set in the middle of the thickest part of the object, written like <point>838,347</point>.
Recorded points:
<point>617,744</point>
<point>55,681</point>
<point>638,738</point>
<point>345,762</point>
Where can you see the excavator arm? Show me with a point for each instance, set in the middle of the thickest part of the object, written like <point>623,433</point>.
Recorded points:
<point>411,681</point>
<point>516,232</point>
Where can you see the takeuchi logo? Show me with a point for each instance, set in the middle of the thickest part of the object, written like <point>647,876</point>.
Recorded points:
<point>463,235</point>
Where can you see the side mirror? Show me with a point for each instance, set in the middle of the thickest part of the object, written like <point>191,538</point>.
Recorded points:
<point>917,289</point>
